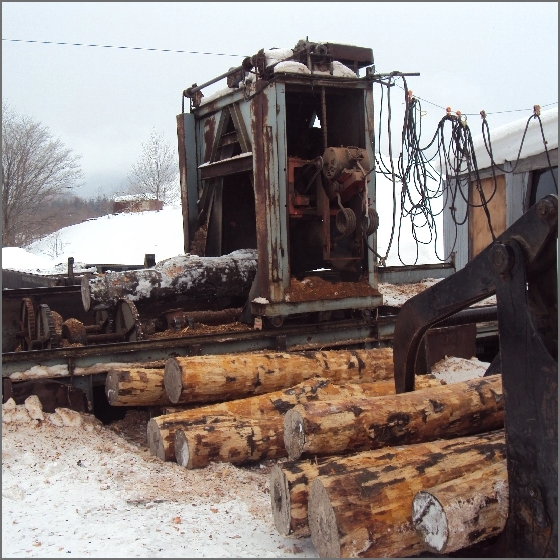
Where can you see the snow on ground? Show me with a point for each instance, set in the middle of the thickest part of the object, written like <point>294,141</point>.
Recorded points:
<point>453,370</point>
<point>72,487</point>
<point>113,239</point>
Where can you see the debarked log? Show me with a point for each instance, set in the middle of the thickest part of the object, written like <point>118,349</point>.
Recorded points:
<point>136,386</point>
<point>214,378</point>
<point>462,511</point>
<point>236,442</point>
<point>289,482</point>
<point>161,429</point>
<point>357,424</point>
<point>187,275</point>
<point>368,512</point>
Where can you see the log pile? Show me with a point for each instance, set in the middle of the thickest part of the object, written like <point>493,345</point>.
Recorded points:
<point>370,473</point>
<point>223,422</point>
<point>357,424</point>
<point>425,483</point>
<point>255,438</point>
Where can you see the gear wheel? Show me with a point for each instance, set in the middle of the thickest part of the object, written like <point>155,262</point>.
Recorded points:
<point>28,328</point>
<point>47,336</point>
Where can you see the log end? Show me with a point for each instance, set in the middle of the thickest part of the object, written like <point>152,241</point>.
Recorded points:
<point>430,521</point>
<point>155,441</point>
<point>322,522</point>
<point>172,380</point>
<point>182,453</point>
<point>85,290</point>
<point>280,500</point>
<point>294,435</point>
<point>112,387</point>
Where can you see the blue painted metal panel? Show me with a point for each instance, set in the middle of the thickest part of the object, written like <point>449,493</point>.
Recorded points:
<point>191,176</point>
<point>371,186</point>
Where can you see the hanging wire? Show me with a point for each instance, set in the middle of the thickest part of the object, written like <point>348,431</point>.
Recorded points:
<point>439,173</point>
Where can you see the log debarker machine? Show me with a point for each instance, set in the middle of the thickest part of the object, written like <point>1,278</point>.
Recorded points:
<point>280,162</point>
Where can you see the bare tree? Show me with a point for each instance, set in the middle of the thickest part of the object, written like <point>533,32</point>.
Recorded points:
<point>156,172</point>
<point>36,168</point>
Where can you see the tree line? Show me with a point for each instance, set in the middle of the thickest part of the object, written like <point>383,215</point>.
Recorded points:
<point>39,175</point>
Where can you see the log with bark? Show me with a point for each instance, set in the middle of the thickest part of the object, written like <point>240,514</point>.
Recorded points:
<point>187,275</point>
<point>289,481</point>
<point>214,378</point>
<point>261,436</point>
<point>368,512</point>
<point>463,511</point>
<point>161,430</point>
<point>237,442</point>
<point>358,424</point>
<point>136,386</point>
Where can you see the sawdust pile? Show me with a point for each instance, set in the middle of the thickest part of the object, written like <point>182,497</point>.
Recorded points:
<point>74,487</point>
<point>315,288</point>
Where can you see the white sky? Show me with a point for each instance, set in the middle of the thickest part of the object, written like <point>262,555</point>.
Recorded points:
<point>103,102</point>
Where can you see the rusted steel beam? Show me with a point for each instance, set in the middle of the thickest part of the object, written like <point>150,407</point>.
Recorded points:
<point>238,164</point>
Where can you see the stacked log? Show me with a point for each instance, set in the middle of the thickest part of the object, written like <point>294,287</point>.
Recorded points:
<point>233,376</point>
<point>358,424</point>
<point>136,386</point>
<point>162,429</point>
<point>463,511</point>
<point>187,275</point>
<point>367,512</point>
<point>261,437</point>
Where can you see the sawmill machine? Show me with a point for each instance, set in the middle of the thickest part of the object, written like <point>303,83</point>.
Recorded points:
<point>281,161</point>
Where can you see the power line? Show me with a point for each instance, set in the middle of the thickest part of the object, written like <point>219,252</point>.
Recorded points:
<point>478,114</point>
<point>228,54</point>
<point>115,47</point>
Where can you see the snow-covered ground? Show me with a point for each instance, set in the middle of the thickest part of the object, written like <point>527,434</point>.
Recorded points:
<point>113,239</point>
<point>72,487</point>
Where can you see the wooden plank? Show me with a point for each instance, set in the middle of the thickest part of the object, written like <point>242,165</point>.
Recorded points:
<point>479,231</point>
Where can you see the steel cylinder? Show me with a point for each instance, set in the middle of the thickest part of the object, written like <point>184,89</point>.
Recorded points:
<point>336,160</point>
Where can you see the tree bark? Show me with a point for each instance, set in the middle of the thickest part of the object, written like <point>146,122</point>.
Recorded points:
<point>236,442</point>
<point>463,511</point>
<point>233,376</point>
<point>161,430</point>
<point>357,424</point>
<point>367,512</point>
<point>289,482</point>
<point>190,275</point>
<point>135,386</point>
<point>259,437</point>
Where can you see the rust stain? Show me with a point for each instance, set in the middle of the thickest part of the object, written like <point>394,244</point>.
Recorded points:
<point>259,110</point>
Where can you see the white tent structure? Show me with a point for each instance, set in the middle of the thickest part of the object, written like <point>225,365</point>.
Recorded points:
<point>515,182</point>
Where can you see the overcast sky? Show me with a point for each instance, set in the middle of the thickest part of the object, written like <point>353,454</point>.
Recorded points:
<point>103,102</point>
